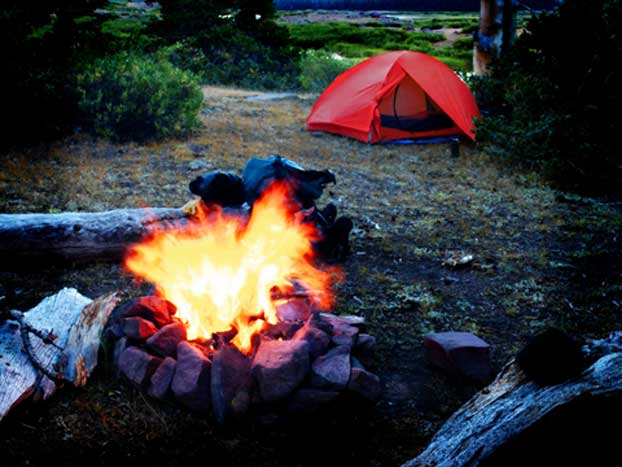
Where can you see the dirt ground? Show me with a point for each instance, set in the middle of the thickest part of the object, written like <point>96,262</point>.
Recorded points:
<point>542,258</point>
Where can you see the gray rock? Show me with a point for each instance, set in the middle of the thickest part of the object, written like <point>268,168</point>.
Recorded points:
<point>160,381</point>
<point>367,385</point>
<point>138,366</point>
<point>119,346</point>
<point>344,334</point>
<point>231,383</point>
<point>350,320</point>
<point>279,367</point>
<point>165,341</point>
<point>293,310</point>
<point>332,370</point>
<point>152,308</point>
<point>316,339</point>
<point>459,353</point>
<point>191,382</point>
<point>199,165</point>
<point>365,348</point>
<point>281,330</point>
<point>138,328</point>
<point>309,400</point>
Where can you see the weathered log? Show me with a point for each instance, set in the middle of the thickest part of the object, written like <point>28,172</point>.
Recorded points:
<point>507,407</point>
<point>78,235</point>
<point>65,347</point>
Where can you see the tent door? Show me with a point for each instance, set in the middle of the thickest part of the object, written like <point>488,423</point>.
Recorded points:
<point>408,108</point>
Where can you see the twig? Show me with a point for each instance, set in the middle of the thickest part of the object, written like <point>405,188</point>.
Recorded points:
<point>48,338</point>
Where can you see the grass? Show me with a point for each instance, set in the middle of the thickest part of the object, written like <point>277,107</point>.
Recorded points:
<point>356,41</point>
<point>538,262</point>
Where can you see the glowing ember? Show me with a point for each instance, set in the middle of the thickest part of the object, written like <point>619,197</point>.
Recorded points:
<point>221,271</point>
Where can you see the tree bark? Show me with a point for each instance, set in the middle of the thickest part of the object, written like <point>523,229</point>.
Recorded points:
<point>507,407</point>
<point>77,236</point>
<point>74,324</point>
<point>497,27</point>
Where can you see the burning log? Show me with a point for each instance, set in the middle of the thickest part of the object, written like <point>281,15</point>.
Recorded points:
<point>56,341</point>
<point>510,405</point>
<point>78,235</point>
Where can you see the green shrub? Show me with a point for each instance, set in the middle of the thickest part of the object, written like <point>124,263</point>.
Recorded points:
<point>127,96</point>
<point>551,102</point>
<point>320,35</point>
<point>319,68</point>
<point>229,46</point>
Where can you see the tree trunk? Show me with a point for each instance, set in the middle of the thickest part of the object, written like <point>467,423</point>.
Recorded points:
<point>70,326</point>
<point>497,27</point>
<point>77,236</point>
<point>507,407</point>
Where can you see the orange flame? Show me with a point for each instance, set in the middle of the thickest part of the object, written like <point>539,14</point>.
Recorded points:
<point>220,272</point>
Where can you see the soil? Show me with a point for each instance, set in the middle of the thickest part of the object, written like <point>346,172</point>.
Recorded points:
<point>540,259</point>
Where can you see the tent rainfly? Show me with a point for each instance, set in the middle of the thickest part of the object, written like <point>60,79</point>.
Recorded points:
<point>396,95</point>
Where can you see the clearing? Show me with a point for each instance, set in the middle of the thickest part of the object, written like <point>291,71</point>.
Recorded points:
<point>541,258</point>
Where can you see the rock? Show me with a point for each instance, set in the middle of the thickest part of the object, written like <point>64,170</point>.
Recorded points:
<point>138,328</point>
<point>160,381</point>
<point>332,371</point>
<point>199,165</point>
<point>191,382</point>
<point>279,367</point>
<point>138,366</point>
<point>293,310</point>
<point>365,348</point>
<point>282,330</point>
<point>309,400</point>
<point>350,320</point>
<point>152,308</point>
<point>231,383</point>
<point>119,346</point>
<point>459,353</point>
<point>165,341</point>
<point>356,363</point>
<point>365,384</point>
<point>345,335</point>
<point>316,339</point>
<point>198,150</point>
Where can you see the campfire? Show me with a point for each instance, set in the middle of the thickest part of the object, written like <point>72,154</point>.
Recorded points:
<point>241,314</point>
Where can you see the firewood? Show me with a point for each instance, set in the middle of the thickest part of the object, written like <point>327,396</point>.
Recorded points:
<point>78,235</point>
<point>508,406</point>
<point>62,345</point>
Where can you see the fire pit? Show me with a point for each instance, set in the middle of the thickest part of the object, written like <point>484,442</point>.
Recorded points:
<point>240,316</point>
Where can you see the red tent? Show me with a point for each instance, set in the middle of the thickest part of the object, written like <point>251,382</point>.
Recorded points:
<point>396,95</point>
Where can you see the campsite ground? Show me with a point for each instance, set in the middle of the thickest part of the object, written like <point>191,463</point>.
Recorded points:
<point>541,258</point>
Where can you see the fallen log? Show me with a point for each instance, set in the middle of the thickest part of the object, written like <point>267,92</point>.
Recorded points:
<point>507,407</point>
<point>56,341</point>
<point>77,235</point>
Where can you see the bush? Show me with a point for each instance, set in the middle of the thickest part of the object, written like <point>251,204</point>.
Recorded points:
<point>127,96</point>
<point>551,101</point>
<point>319,68</point>
<point>229,46</point>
